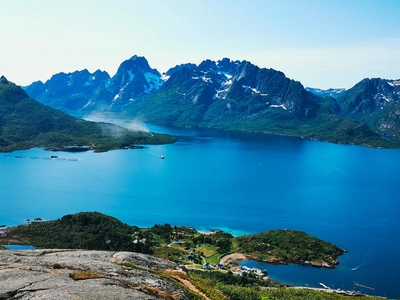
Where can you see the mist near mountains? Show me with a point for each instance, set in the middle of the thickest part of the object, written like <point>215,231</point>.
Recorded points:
<point>135,124</point>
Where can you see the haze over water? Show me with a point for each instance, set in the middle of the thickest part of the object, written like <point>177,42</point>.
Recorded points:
<point>242,183</point>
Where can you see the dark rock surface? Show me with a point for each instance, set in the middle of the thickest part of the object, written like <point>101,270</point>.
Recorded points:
<point>80,274</point>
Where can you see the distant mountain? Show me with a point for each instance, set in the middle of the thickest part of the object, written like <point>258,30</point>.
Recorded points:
<point>335,93</point>
<point>134,79</point>
<point>82,91</point>
<point>374,102</point>
<point>69,92</point>
<point>232,95</point>
<point>26,123</point>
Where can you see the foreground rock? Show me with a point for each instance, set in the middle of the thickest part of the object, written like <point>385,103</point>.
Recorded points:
<point>78,274</point>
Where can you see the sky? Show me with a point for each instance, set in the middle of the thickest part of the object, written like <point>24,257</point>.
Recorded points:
<point>321,43</point>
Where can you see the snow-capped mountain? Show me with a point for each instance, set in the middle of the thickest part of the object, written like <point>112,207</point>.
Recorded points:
<point>335,93</point>
<point>230,95</point>
<point>82,91</point>
<point>133,79</point>
<point>236,82</point>
<point>376,102</point>
<point>68,92</point>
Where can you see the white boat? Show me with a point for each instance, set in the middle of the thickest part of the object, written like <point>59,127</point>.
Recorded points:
<point>162,156</point>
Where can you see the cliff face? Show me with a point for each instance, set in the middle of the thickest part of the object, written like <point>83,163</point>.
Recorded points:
<point>78,274</point>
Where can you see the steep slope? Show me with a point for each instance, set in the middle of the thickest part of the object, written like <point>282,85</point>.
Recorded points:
<point>25,123</point>
<point>68,92</point>
<point>237,95</point>
<point>235,84</point>
<point>374,102</point>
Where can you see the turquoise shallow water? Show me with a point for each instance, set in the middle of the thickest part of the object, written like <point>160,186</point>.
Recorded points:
<point>241,183</point>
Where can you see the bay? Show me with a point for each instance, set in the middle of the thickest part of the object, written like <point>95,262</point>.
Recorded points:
<point>240,183</point>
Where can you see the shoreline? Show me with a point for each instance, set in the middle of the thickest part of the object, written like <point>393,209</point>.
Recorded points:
<point>234,257</point>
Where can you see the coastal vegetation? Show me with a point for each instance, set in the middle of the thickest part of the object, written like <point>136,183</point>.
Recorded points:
<point>181,244</point>
<point>189,248</point>
<point>289,246</point>
<point>92,231</point>
<point>25,123</point>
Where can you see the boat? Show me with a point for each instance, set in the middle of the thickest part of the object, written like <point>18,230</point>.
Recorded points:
<point>162,156</point>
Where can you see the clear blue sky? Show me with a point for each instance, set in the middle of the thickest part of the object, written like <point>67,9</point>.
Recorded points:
<point>321,43</point>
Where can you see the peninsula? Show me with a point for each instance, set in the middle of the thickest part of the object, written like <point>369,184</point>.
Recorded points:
<point>183,245</point>
<point>26,123</point>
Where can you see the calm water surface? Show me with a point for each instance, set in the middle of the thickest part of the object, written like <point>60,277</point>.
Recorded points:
<point>241,183</point>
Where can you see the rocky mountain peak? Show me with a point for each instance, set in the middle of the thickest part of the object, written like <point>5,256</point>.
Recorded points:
<point>3,79</point>
<point>137,64</point>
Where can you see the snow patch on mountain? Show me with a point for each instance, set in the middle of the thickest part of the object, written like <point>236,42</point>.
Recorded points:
<point>394,82</point>
<point>165,77</point>
<point>281,106</point>
<point>131,76</point>
<point>155,82</point>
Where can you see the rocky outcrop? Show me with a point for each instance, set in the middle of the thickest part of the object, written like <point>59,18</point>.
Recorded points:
<point>79,274</point>
<point>374,102</point>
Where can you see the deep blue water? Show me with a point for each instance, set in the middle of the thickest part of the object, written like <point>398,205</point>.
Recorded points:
<point>242,183</point>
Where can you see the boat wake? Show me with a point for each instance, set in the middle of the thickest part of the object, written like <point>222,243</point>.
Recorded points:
<point>356,268</point>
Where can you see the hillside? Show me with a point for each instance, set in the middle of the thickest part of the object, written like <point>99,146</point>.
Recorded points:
<point>240,96</point>
<point>374,102</point>
<point>25,123</point>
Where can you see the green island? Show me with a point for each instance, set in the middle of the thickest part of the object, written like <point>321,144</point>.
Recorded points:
<point>26,123</point>
<point>209,259</point>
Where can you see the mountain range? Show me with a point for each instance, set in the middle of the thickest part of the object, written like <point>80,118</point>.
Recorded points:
<point>231,95</point>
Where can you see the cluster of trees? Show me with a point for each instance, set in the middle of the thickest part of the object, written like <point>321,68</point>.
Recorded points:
<point>219,238</point>
<point>288,246</point>
<point>230,279</point>
<point>93,231</point>
<point>167,233</point>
